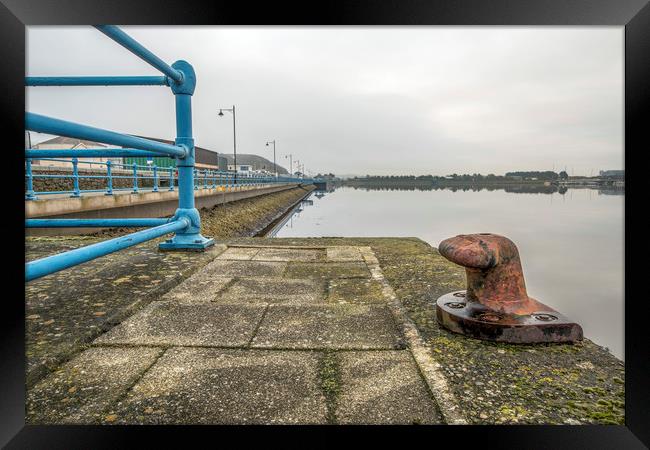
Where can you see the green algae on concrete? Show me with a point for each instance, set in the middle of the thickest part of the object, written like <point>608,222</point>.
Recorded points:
<point>239,253</point>
<point>327,271</point>
<point>273,290</point>
<point>200,288</point>
<point>227,268</point>
<point>353,290</point>
<point>208,385</point>
<point>170,323</point>
<point>343,253</point>
<point>331,326</point>
<point>281,254</point>
<point>80,391</point>
<point>494,382</point>
<point>66,310</point>
<point>249,216</point>
<point>383,387</point>
<point>329,377</point>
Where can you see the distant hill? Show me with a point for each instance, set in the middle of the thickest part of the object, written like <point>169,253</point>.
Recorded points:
<point>258,162</point>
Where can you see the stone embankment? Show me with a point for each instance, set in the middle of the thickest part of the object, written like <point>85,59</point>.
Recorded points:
<point>249,216</point>
<point>240,218</point>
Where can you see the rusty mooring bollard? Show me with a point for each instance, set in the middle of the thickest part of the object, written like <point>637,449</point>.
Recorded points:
<point>495,305</point>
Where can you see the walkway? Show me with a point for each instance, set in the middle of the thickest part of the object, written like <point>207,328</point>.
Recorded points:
<point>291,330</point>
<point>259,335</point>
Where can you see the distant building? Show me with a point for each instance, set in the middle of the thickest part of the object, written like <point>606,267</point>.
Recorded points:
<point>204,158</point>
<point>66,143</point>
<point>612,173</point>
<point>241,167</point>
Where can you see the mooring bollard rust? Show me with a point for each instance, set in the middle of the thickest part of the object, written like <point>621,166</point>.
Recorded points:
<point>495,305</point>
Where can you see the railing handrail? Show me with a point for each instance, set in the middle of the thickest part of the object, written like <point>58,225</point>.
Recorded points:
<point>207,178</point>
<point>139,50</point>
<point>49,125</point>
<point>186,223</point>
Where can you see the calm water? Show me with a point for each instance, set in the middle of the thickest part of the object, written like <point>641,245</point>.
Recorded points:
<point>571,245</point>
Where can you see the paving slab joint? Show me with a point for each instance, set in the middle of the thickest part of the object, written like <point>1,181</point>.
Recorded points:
<point>257,326</point>
<point>429,368</point>
<point>41,370</point>
<point>111,407</point>
<point>329,380</point>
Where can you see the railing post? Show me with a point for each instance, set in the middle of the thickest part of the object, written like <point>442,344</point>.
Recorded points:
<point>75,178</point>
<point>171,178</point>
<point>205,178</point>
<point>135,177</point>
<point>109,178</point>
<point>29,195</point>
<point>189,237</point>
<point>155,178</point>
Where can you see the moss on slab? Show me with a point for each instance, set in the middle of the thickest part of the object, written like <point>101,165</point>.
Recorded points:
<point>329,374</point>
<point>495,382</point>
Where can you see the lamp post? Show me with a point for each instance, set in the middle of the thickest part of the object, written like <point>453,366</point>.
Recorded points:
<point>290,156</point>
<point>301,168</point>
<point>234,136</point>
<point>275,167</point>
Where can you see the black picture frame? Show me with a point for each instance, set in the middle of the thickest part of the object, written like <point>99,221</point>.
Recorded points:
<point>16,14</point>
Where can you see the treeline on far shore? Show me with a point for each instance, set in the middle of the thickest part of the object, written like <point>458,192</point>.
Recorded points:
<point>520,188</point>
<point>509,177</point>
<point>432,181</point>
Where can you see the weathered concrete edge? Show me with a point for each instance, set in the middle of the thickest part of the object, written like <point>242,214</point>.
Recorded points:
<point>270,225</point>
<point>69,205</point>
<point>429,368</point>
<point>42,369</point>
<point>145,204</point>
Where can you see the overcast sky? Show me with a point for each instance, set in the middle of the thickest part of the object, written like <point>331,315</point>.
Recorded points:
<point>362,100</point>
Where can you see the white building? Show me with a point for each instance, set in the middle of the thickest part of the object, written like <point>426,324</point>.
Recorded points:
<point>241,167</point>
<point>65,143</point>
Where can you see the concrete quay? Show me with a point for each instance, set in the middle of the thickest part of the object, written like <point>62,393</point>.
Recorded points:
<point>288,331</point>
<point>126,204</point>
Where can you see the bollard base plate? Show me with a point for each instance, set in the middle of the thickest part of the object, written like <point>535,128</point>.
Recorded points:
<point>196,243</point>
<point>475,320</point>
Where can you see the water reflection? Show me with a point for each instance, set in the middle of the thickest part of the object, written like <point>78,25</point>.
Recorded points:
<point>512,188</point>
<point>571,242</point>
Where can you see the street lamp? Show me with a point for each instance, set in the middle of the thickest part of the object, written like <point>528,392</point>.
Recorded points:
<point>275,167</point>
<point>234,136</point>
<point>290,156</point>
<point>301,169</point>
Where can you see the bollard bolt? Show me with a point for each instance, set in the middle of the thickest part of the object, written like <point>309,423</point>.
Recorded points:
<point>497,306</point>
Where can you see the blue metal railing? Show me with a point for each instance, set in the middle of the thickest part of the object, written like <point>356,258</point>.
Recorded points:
<point>186,222</point>
<point>140,176</point>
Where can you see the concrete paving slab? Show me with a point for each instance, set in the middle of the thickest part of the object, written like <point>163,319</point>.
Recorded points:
<point>273,290</point>
<point>328,327</point>
<point>226,268</point>
<point>216,386</point>
<point>344,253</point>
<point>80,391</point>
<point>288,254</point>
<point>354,290</point>
<point>239,253</point>
<point>171,323</point>
<point>199,288</point>
<point>67,310</point>
<point>327,271</point>
<point>383,387</point>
